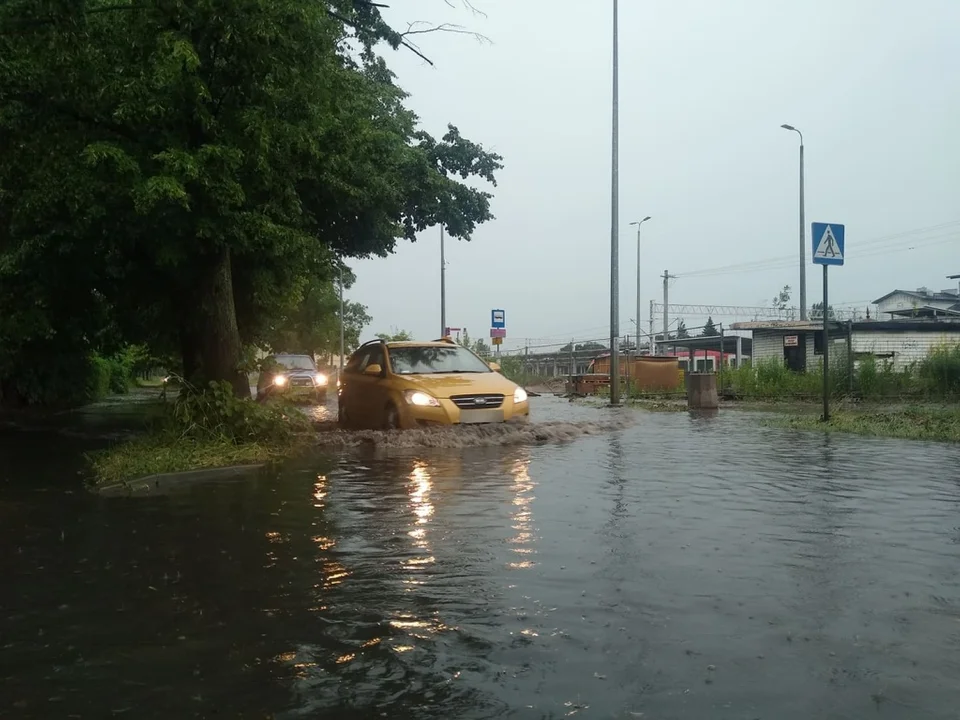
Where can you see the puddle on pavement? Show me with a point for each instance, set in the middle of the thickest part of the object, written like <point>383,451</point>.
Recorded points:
<point>682,567</point>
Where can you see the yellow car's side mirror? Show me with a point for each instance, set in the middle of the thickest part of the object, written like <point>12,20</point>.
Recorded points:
<point>373,370</point>
<point>494,366</point>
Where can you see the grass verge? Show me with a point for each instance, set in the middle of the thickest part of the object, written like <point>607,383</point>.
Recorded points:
<point>908,423</point>
<point>202,429</point>
<point>168,452</point>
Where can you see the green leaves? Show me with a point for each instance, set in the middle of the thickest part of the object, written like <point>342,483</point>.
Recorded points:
<point>144,138</point>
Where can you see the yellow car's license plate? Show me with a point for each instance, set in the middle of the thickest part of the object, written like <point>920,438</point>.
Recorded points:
<point>481,416</point>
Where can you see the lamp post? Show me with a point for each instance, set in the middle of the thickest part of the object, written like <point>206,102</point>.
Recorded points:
<point>638,224</point>
<point>803,241</point>
<point>443,288</point>
<point>614,221</point>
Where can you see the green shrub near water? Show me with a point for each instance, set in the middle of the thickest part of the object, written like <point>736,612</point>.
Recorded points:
<point>939,372</point>
<point>213,428</point>
<point>512,368</point>
<point>936,376</point>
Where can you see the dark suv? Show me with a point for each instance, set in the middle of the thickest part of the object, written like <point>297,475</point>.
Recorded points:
<point>293,376</point>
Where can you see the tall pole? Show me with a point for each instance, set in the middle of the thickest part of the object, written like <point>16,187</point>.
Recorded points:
<point>653,345</point>
<point>443,288</point>
<point>614,218</point>
<point>341,323</point>
<point>666,297</point>
<point>803,238</point>
<point>638,288</point>
<point>638,224</point>
<point>803,242</point>
<point>826,350</point>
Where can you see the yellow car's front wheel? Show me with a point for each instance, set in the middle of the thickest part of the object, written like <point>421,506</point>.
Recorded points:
<point>391,417</point>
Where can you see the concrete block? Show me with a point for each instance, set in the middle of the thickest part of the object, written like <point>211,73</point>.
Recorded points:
<point>702,391</point>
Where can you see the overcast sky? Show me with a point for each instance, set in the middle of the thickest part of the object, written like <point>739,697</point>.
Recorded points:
<point>704,88</point>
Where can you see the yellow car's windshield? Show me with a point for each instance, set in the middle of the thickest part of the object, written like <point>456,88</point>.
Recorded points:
<point>434,360</point>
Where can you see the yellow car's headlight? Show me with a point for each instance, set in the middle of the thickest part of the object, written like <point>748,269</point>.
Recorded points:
<point>321,379</point>
<point>421,399</point>
<point>519,396</point>
<point>280,380</point>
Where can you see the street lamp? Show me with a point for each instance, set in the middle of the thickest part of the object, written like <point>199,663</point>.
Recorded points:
<point>803,242</point>
<point>638,224</point>
<point>443,288</point>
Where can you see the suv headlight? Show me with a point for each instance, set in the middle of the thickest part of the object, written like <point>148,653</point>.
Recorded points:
<point>280,380</point>
<point>519,396</point>
<point>321,379</point>
<point>420,399</point>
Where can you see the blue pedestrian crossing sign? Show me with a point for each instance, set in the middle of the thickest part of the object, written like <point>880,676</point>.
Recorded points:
<point>828,244</point>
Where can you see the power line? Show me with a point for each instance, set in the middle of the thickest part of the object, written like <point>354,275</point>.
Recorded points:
<point>882,245</point>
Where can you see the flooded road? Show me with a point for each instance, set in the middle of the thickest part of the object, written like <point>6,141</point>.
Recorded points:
<point>668,567</point>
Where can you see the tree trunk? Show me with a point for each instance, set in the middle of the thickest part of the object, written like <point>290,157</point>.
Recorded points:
<point>215,316</point>
<point>189,347</point>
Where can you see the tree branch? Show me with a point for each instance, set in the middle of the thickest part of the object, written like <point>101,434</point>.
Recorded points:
<point>412,48</point>
<point>415,29</point>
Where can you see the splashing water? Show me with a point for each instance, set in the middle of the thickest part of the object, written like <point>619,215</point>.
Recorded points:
<point>458,436</point>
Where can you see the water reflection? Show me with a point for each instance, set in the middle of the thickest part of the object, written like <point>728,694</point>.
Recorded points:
<point>419,488</point>
<point>522,514</point>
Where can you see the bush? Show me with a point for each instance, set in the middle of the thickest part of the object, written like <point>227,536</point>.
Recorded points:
<point>218,414</point>
<point>936,376</point>
<point>99,379</point>
<point>207,429</point>
<point>939,372</point>
<point>43,374</point>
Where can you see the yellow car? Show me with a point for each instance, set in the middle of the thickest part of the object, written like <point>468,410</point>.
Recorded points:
<point>401,385</point>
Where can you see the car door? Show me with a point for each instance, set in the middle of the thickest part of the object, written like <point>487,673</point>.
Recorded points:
<point>369,393</point>
<point>350,386</point>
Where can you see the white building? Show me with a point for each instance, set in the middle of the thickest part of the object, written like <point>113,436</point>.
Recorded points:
<point>919,303</point>
<point>799,344</point>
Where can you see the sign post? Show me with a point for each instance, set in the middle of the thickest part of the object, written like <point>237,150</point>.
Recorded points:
<point>828,249</point>
<point>498,328</point>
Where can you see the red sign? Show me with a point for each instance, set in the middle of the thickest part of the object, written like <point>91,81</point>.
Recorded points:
<point>498,333</point>
<point>791,340</point>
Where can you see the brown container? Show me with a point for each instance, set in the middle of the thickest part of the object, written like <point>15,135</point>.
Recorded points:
<point>647,373</point>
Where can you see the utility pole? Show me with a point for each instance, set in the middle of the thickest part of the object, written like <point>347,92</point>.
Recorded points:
<point>638,224</point>
<point>614,221</point>
<point>803,239</point>
<point>666,298</point>
<point>443,288</point>
<point>653,345</point>
<point>341,323</point>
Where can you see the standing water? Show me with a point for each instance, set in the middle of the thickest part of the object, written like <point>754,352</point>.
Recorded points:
<point>664,567</point>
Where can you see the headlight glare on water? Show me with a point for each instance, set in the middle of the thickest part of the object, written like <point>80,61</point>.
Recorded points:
<point>519,396</point>
<point>421,399</point>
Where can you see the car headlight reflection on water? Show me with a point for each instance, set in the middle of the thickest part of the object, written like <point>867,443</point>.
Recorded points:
<point>321,379</point>
<point>519,396</point>
<point>280,380</point>
<point>421,399</point>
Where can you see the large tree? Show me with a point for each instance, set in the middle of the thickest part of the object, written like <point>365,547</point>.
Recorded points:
<point>190,173</point>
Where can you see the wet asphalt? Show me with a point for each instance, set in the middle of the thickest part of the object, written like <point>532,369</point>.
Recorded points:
<point>649,565</point>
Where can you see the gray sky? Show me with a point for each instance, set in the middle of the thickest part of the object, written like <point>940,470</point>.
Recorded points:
<point>704,88</point>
